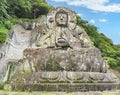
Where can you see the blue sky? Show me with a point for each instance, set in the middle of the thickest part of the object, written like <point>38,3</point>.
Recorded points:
<point>104,14</point>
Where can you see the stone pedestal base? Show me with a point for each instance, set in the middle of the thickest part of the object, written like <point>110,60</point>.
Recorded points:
<point>66,87</point>
<point>64,81</point>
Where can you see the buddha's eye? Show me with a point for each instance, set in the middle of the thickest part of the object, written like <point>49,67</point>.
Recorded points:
<point>72,21</point>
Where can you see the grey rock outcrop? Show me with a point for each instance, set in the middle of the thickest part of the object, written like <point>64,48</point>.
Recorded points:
<point>18,40</point>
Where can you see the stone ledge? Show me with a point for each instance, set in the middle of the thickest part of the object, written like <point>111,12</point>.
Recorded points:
<point>66,87</point>
<point>69,78</point>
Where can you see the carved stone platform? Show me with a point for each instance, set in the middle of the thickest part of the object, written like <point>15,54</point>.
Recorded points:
<point>65,81</point>
<point>66,87</point>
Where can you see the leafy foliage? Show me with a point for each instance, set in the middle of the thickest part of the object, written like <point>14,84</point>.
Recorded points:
<point>3,11</point>
<point>39,7</point>
<point>3,34</point>
<point>28,8</point>
<point>19,8</point>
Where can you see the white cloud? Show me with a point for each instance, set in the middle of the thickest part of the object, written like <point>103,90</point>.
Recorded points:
<point>92,21</point>
<point>103,20</point>
<point>79,14</point>
<point>95,5</point>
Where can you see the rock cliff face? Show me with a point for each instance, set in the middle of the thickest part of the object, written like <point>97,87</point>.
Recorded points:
<point>53,49</point>
<point>12,50</point>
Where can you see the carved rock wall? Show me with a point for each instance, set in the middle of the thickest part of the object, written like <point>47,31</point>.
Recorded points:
<point>12,51</point>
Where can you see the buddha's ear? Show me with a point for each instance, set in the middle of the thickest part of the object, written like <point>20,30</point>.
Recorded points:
<point>50,21</point>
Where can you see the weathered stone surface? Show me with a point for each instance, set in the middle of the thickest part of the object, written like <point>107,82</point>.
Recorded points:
<point>64,77</point>
<point>3,66</point>
<point>18,40</point>
<point>64,81</point>
<point>87,60</point>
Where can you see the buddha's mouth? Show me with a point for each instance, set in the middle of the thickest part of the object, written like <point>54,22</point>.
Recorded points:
<point>62,42</point>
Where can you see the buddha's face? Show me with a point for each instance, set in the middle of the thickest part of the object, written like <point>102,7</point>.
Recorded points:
<point>61,19</point>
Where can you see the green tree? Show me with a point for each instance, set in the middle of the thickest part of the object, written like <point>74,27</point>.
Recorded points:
<point>28,8</point>
<point>3,11</point>
<point>39,7</point>
<point>19,8</point>
<point>3,34</point>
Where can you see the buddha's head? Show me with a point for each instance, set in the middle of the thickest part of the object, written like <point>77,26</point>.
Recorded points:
<point>61,18</point>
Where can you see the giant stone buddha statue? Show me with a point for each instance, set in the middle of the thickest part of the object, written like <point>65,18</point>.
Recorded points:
<point>70,45</point>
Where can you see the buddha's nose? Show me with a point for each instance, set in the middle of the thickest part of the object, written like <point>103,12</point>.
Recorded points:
<point>61,19</point>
